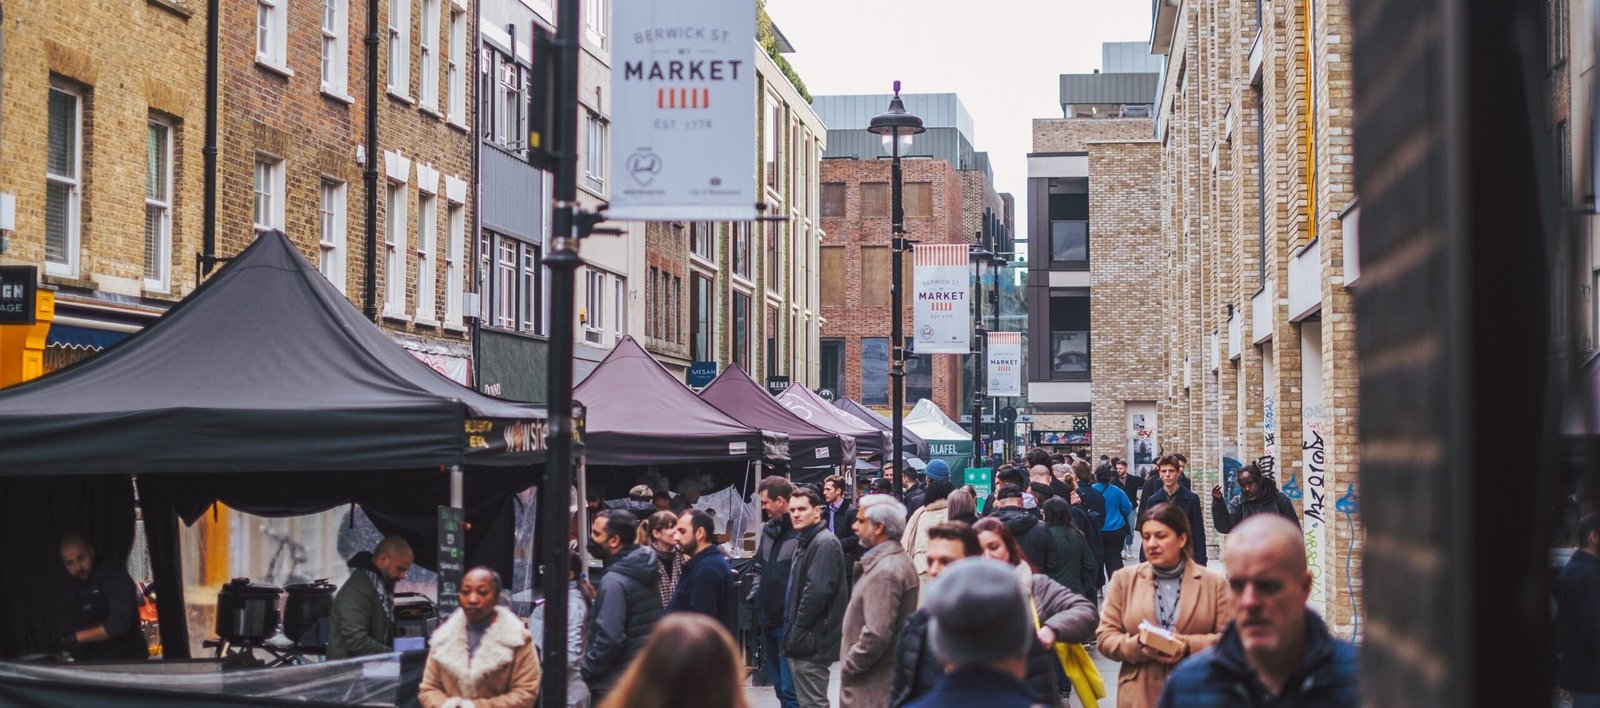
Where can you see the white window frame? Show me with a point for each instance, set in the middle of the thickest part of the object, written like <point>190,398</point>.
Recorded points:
<point>161,279</point>
<point>454,284</point>
<point>427,242</point>
<point>595,14</point>
<point>268,182</point>
<point>619,316</point>
<point>272,29</point>
<point>336,47</point>
<point>594,163</point>
<point>73,183</point>
<point>395,227</point>
<point>507,262</point>
<point>509,83</point>
<point>332,222</point>
<point>455,82</point>
<point>400,48</point>
<point>595,303</point>
<point>428,56</point>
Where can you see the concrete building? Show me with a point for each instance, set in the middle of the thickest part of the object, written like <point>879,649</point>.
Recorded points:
<point>746,293</point>
<point>101,161</point>
<point>949,197</point>
<point>1093,290</point>
<point>1258,234</point>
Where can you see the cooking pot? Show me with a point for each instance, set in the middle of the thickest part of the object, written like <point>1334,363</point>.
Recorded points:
<point>306,610</point>
<point>247,611</point>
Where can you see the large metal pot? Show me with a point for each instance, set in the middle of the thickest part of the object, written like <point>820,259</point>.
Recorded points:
<point>247,612</point>
<point>306,610</point>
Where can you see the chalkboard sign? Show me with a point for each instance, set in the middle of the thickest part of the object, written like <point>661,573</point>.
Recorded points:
<point>452,558</point>
<point>18,295</point>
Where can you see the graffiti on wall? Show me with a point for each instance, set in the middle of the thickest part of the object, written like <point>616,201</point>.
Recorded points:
<point>1315,503</point>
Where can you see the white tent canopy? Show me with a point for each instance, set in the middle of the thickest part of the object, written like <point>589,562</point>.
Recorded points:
<point>930,423</point>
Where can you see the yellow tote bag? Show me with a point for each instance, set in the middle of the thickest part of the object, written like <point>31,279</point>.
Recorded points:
<point>1085,678</point>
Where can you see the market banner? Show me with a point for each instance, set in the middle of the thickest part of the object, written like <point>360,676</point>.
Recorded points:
<point>683,109</point>
<point>941,313</point>
<point>1005,364</point>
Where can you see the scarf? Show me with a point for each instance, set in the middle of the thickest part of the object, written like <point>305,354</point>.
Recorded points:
<point>384,595</point>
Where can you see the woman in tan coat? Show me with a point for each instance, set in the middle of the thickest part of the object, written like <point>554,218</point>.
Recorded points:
<point>482,657</point>
<point>1169,591</point>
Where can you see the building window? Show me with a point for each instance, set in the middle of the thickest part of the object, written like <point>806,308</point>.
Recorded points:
<point>919,375</point>
<point>527,284</point>
<point>515,295</point>
<point>703,240</point>
<point>1069,336</point>
<point>454,286</point>
<point>833,199</point>
<point>875,274</point>
<point>741,249</point>
<point>832,365</point>
<point>394,244</point>
<point>594,165</point>
<point>833,276</point>
<point>741,330</point>
<point>456,55</point>
<point>400,48</point>
<point>271,26</point>
<point>1069,229</point>
<point>594,307</point>
<point>875,371</point>
<point>619,305</point>
<point>773,368</point>
<point>773,144</point>
<point>508,104</point>
<point>1564,161</point>
<point>158,206</point>
<point>429,55</point>
<point>1556,14</point>
<point>335,50</point>
<point>63,180</point>
<point>427,228</point>
<point>774,233</point>
<point>652,304</point>
<point>918,200</point>
<point>268,193</point>
<point>800,273</point>
<point>675,312</point>
<point>701,319</point>
<point>874,200</point>
<point>595,15</point>
<point>331,232</point>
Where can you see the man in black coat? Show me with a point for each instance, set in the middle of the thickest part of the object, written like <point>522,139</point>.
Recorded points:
<point>706,585</point>
<point>626,605</point>
<point>1130,483</point>
<point>105,606</point>
<point>1030,532</point>
<point>1578,617</point>
<point>916,667</point>
<point>1172,492</point>
<point>838,516</point>
<point>774,558</point>
<point>1258,495</point>
<point>819,591</point>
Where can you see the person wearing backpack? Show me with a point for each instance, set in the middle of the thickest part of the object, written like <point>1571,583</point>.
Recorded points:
<point>1115,527</point>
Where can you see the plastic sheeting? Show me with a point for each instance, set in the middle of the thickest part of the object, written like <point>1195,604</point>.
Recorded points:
<point>382,680</point>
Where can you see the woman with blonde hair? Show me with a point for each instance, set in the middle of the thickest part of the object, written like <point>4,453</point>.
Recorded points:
<point>689,662</point>
<point>1169,591</point>
<point>659,532</point>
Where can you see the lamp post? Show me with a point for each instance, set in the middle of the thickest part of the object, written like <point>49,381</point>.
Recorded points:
<point>896,127</point>
<point>979,255</point>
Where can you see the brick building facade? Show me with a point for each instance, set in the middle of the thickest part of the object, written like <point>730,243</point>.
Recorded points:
<point>1254,121</point>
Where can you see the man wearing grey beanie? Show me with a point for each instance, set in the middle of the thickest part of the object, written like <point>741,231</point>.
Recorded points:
<point>981,627</point>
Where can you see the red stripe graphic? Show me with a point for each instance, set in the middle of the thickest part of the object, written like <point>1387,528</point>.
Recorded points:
<point>940,255</point>
<point>660,98</point>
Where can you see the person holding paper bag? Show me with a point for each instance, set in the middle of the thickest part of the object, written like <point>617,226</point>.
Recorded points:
<point>1183,605</point>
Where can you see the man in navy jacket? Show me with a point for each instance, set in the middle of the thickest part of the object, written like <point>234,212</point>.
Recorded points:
<point>707,583</point>
<point>1578,618</point>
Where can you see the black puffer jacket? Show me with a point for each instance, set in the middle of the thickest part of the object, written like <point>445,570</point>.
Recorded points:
<point>771,574</point>
<point>916,667</point>
<point>818,593</point>
<point>1268,500</point>
<point>1029,531</point>
<point>626,607</point>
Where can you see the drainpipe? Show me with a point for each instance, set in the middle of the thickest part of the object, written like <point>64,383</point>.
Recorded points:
<point>208,256</point>
<point>469,270</point>
<point>370,289</point>
<point>1311,125</point>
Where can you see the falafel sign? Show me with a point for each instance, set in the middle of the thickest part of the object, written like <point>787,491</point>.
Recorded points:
<point>941,314</point>
<point>683,93</point>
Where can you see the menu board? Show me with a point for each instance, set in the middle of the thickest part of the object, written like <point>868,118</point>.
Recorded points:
<point>452,558</point>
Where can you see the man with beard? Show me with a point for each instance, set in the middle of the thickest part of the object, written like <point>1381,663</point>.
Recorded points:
<point>1276,651</point>
<point>916,667</point>
<point>1257,495</point>
<point>363,610</point>
<point>706,583</point>
<point>627,603</point>
<point>1031,533</point>
<point>105,602</point>
<point>770,576</point>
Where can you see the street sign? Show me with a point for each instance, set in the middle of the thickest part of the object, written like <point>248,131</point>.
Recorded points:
<point>777,384</point>
<point>980,479</point>
<point>700,374</point>
<point>18,295</point>
<point>1008,415</point>
<point>452,558</point>
<point>826,394</point>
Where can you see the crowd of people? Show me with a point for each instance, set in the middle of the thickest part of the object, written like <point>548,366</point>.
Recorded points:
<point>916,598</point>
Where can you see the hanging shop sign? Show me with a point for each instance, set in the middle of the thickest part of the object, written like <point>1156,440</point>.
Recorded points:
<point>19,292</point>
<point>1061,437</point>
<point>683,108</point>
<point>776,384</point>
<point>942,312</point>
<point>1005,364</point>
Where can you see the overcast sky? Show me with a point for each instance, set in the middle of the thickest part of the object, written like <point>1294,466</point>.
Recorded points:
<point>1002,57</point>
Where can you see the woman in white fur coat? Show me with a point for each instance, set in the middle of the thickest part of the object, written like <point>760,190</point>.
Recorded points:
<point>482,657</point>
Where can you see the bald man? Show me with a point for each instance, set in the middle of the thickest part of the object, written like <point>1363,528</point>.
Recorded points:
<point>105,606</point>
<point>1276,651</point>
<point>363,610</point>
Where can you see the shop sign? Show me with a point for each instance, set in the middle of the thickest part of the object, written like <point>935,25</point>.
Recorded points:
<point>683,108</point>
<point>1061,437</point>
<point>19,293</point>
<point>941,311</point>
<point>777,384</point>
<point>452,558</point>
<point>700,374</point>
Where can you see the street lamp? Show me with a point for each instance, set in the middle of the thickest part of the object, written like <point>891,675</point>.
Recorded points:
<point>896,127</point>
<point>979,254</point>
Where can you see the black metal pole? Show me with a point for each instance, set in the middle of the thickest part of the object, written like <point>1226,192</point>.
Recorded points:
<point>369,288</point>
<point>980,367</point>
<point>208,227</point>
<point>563,263</point>
<point>897,366</point>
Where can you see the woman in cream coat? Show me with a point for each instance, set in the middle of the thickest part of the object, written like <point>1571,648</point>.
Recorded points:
<point>1168,590</point>
<point>482,657</point>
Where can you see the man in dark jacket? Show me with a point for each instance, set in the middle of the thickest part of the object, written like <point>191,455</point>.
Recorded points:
<point>914,492</point>
<point>839,516</point>
<point>981,626</point>
<point>819,590</point>
<point>105,606</point>
<point>626,605</point>
<point>770,576</point>
<point>1131,483</point>
<point>1029,531</point>
<point>1258,495</point>
<point>916,667</point>
<point>1172,492</point>
<point>706,585</point>
<point>362,621</point>
<point>1578,618</point>
<point>1275,651</point>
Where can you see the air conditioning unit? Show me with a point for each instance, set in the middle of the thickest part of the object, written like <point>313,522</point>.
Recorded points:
<point>594,336</point>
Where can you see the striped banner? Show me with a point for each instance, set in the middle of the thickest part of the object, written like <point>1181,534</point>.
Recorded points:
<point>1005,364</point>
<point>683,98</point>
<point>941,310</point>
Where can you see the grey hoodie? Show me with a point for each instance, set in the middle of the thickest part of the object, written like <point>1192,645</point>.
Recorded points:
<point>626,607</point>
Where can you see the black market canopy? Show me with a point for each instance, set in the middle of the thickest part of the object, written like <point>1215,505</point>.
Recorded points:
<point>911,443</point>
<point>810,407</point>
<point>735,393</point>
<point>637,413</point>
